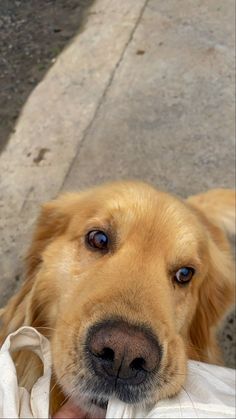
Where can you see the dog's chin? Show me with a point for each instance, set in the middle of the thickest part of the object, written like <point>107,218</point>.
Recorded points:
<point>81,409</point>
<point>97,403</point>
<point>94,407</point>
<point>93,404</point>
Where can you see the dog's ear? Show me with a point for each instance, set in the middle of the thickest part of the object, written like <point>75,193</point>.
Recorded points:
<point>217,206</point>
<point>52,222</point>
<point>216,210</point>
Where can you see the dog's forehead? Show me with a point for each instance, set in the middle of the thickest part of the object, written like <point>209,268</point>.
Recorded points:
<point>138,206</point>
<point>147,218</point>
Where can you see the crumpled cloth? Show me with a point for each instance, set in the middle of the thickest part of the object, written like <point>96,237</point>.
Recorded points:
<point>15,401</point>
<point>209,391</point>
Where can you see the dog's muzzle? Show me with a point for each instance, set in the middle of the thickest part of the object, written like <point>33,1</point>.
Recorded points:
<point>123,359</point>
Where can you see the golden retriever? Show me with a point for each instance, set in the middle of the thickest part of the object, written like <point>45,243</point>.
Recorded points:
<point>127,282</point>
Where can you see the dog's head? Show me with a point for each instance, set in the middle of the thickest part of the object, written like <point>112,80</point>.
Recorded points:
<point>130,281</point>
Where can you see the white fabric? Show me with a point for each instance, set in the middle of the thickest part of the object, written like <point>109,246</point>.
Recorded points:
<point>209,391</point>
<point>15,401</point>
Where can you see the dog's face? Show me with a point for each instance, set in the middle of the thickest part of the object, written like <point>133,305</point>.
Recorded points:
<point>117,276</point>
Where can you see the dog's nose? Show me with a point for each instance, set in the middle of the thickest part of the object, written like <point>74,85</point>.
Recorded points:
<point>123,352</point>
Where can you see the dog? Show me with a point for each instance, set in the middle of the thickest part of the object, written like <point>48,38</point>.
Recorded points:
<point>128,283</point>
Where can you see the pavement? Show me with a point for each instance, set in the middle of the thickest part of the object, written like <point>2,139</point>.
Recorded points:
<point>145,90</point>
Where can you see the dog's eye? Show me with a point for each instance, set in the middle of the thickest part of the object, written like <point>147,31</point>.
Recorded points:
<point>184,275</point>
<point>97,240</point>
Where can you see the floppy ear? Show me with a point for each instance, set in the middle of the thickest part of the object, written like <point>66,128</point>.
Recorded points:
<point>216,210</point>
<point>20,309</point>
<point>31,306</point>
<point>52,223</point>
<point>218,207</point>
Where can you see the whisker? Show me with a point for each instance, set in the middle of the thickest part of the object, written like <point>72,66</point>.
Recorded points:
<point>46,327</point>
<point>190,401</point>
<point>57,381</point>
<point>65,400</point>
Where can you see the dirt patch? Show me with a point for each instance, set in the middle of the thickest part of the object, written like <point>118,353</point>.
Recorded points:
<point>32,34</point>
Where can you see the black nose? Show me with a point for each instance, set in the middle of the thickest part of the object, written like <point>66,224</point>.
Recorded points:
<point>121,351</point>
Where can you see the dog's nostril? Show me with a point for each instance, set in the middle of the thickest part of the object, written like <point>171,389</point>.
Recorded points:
<point>138,364</point>
<point>107,354</point>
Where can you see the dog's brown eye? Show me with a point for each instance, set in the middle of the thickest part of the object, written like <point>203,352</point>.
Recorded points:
<point>184,275</point>
<point>97,240</point>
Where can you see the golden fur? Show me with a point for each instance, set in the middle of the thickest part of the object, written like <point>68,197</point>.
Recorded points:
<point>68,287</point>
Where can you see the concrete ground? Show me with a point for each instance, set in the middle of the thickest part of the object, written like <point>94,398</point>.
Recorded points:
<point>145,91</point>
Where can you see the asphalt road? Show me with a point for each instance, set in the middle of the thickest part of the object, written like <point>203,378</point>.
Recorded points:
<point>32,34</point>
